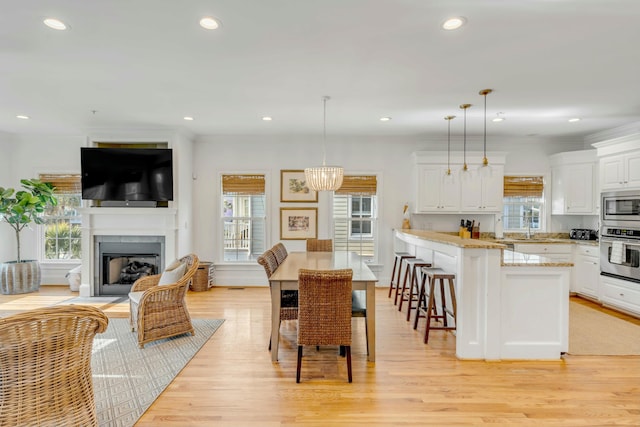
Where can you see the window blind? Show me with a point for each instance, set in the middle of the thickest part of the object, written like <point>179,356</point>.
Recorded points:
<point>523,186</point>
<point>358,185</point>
<point>64,183</point>
<point>246,185</point>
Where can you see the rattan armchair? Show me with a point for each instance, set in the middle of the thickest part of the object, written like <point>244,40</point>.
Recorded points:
<point>158,312</point>
<point>324,316</point>
<point>280,252</point>
<point>288,299</point>
<point>45,366</point>
<point>319,245</point>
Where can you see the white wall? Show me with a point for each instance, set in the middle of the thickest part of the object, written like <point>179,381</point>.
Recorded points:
<point>7,235</point>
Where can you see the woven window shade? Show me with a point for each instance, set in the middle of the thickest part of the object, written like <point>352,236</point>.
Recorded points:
<point>245,185</point>
<point>64,183</point>
<point>523,186</point>
<point>358,185</point>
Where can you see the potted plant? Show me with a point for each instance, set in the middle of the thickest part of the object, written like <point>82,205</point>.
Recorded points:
<point>19,209</point>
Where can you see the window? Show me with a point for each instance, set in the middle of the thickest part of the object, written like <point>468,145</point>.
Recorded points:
<point>243,217</point>
<point>523,203</point>
<point>62,223</point>
<point>355,215</point>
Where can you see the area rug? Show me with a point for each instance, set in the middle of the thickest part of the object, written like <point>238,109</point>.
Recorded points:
<point>127,379</point>
<point>594,333</point>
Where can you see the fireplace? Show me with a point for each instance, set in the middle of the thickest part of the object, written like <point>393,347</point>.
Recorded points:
<point>124,259</point>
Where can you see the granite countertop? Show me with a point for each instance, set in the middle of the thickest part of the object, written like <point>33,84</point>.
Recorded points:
<point>452,239</point>
<point>517,259</point>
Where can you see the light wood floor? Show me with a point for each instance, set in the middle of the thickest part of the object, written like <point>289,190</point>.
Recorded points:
<point>232,382</point>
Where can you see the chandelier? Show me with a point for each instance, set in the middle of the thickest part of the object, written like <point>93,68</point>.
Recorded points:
<point>324,178</point>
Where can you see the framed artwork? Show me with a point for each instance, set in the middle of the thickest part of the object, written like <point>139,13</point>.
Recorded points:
<point>293,187</point>
<point>298,223</point>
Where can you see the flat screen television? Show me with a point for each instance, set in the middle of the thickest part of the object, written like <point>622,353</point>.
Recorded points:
<point>127,174</point>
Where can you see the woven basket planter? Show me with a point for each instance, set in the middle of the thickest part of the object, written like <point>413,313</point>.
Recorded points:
<point>19,278</point>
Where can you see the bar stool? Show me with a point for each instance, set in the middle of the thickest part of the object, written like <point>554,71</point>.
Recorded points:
<point>397,266</point>
<point>427,307</point>
<point>410,293</point>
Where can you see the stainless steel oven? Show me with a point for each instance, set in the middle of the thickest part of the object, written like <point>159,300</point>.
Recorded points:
<point>620,252</point>
<point>621,208</point>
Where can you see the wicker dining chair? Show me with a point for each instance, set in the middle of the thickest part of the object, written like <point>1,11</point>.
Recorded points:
<point>319,245</point>
<point>280,252</point>
<point>45,366</point>
<point>324,316</point>
<point>159,310</point>
<point>288,298</point>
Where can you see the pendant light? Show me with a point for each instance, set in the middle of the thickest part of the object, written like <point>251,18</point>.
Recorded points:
<point>448,176</point>
<point>324,178</point>
<point>485,170</point>
<point>465,173</point>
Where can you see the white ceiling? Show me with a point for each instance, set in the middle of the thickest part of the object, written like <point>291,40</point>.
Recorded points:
<point>147,64</point>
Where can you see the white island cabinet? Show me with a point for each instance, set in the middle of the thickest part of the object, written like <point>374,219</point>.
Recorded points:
<point>509,305</point>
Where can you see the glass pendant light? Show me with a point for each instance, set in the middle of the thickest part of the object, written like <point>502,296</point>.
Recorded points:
<point>465,173</point>
<point>324,178</point>
<point>448,176</point>
<point>485,170</point>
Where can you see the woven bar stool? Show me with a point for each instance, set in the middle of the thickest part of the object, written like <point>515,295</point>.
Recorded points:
<point>397,266</point>
<point>427,304</point>
<point>409,292</point>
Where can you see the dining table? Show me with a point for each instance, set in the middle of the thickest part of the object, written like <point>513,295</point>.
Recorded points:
<point>285,277</point>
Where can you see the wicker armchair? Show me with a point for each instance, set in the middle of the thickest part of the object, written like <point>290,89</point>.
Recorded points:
<point>280,252</point>
<point>288,299</point>
<point>45,366</point>
<point>324,316</point>
<point>319,245</point>
<point>160,311</point>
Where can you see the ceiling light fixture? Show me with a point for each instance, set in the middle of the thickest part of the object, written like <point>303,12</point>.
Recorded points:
<point>324,178</point>
<point>574,119</point>
<point>464,172</point>
<point>448,176</point>
<point>267,119</point>
<point>209,23</point>
<point>22,116</point>
<point>454,23</point>
<point>385,119</point>
<point>499,117</point>
<point>188,118</point>
<point>56,24</point>
<point>485,169</point>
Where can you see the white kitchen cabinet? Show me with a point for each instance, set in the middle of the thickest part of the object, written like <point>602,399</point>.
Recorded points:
<point>434,194</point>
<point>586,270</point>
<point>483,194</point>
<point>573,184</point>
<point>620,294</point>
<point>620,171</point>
<point>556,252</point>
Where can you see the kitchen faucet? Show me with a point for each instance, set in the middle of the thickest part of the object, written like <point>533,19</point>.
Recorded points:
<point>527,218</point>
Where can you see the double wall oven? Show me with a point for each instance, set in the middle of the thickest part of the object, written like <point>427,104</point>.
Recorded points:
<point>620,235</point>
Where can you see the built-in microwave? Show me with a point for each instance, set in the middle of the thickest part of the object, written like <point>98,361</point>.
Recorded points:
<point>620,207</point>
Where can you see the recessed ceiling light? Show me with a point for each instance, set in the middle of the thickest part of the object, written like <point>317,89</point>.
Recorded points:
<point>574,119</point>
<point>454,23</point>
<point>209,23</point>
<point>189,118</point>
<point>267,118</point>
<point>498,118</point>
<point>22,116</point>
<point>56,24</point>
<point>385,119</point>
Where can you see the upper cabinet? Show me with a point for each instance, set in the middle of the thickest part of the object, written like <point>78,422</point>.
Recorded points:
<point>435,194</point>
<point>574,184</point>
<point>619,163</point>
<point>621,171</point>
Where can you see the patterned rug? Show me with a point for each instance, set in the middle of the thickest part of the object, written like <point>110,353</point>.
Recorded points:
<point>127,379</point>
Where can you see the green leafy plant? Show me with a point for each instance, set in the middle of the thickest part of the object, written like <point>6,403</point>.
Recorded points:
<point>21,208</point>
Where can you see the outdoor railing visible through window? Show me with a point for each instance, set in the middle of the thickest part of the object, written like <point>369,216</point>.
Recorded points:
<point>63,224</point>
<point>243,217</point>
<point>355,216</point>
<point>523,203</point>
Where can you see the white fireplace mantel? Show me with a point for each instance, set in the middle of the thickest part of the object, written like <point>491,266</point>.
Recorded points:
<point>108,221</point>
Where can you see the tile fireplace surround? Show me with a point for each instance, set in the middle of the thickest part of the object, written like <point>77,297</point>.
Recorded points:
<point>154,223</point>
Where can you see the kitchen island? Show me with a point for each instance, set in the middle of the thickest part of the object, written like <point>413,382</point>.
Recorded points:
<point>509,305</point>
